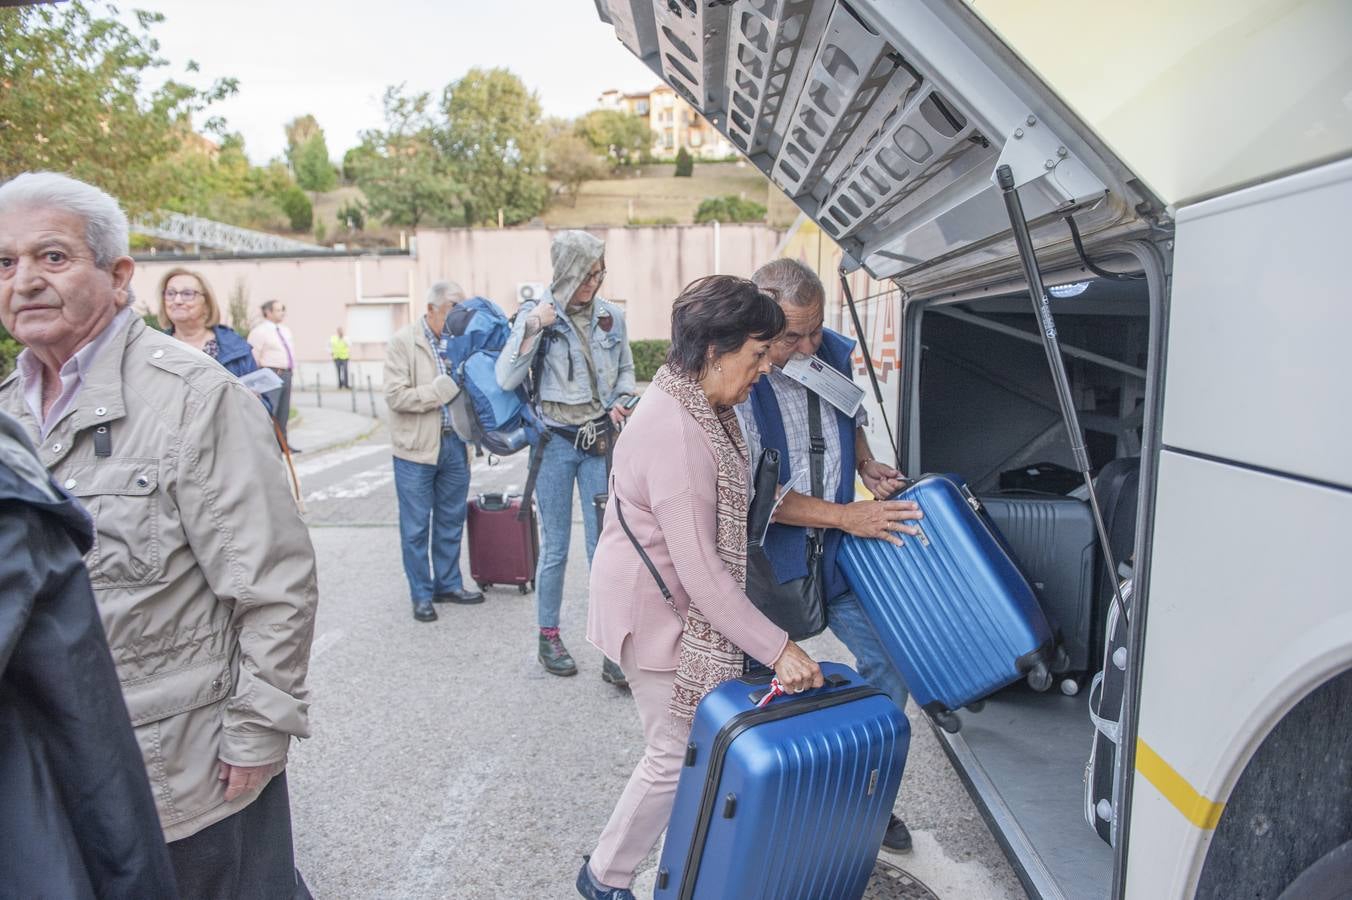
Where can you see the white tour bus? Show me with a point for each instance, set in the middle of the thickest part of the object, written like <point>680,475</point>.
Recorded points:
<point>1184,177</point>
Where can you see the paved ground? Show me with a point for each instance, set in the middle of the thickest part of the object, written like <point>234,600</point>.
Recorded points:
<point>446,764</point>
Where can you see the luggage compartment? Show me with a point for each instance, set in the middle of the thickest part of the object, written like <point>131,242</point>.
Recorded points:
<point>788,801</point>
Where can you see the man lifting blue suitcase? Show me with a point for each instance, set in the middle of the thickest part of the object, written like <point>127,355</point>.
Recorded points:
<point>819,502</point>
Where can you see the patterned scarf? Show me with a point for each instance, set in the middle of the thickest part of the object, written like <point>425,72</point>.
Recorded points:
<point>706,657</point>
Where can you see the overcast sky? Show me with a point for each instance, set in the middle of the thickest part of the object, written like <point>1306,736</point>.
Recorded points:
<point>334,59</point>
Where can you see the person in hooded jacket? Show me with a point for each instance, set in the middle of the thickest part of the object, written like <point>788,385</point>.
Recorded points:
<point>577,345</point>
<point>78,819</point>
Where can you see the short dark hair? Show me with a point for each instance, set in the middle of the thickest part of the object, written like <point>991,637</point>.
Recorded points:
<point>719,312</point>
<point>268,305</point>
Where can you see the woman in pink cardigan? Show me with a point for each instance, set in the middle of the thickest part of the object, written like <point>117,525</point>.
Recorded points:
<point>679,491</point>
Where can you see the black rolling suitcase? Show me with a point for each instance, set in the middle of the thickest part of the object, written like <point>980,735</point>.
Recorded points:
<point>1053,541</point>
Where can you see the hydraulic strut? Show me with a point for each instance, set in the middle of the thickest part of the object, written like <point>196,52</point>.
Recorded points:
<point>1042,309</point>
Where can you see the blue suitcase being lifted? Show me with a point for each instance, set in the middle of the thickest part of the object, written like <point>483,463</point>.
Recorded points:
<point>950,606</point>
<point>788,801</point>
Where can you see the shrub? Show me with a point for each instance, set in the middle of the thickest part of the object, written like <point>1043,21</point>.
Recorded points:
<point>352,215</point>
<point>9,351</point>
<point>653,220</point>
<point>297,207</point>
<point>729,208</point>
<point>685,164</point>
<point>648,358</point>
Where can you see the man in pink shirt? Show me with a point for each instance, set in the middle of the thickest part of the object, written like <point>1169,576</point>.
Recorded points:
<point>272,347</point>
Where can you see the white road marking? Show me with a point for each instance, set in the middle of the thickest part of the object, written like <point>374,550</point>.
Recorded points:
<point>437,865</point>
<point>337,458</point>
<point>324,642</point>
<point>362,484</point>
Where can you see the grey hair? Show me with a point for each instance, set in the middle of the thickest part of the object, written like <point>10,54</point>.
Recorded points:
<point>444,292</point>
<point>106,227</point>
<point>795,283</point>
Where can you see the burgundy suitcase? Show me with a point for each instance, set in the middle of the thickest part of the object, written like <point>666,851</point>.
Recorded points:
<point>503,546</point>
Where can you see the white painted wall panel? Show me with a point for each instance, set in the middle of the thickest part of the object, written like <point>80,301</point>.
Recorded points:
<point>1260,332</point>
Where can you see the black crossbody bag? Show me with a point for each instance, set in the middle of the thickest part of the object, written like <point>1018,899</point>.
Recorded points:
<point>797,606</point>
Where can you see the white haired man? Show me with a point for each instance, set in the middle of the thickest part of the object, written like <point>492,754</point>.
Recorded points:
<point>431,467</point>
<point>203,570</point>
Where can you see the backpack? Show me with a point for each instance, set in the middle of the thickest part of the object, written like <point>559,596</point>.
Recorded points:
<point>498,420</point>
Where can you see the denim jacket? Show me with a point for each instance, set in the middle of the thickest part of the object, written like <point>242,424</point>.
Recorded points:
<point>610,353</point>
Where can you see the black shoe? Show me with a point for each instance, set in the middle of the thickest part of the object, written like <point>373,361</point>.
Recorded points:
<point>898,836</point>
<point>460,596</point>
<point>555,657</point>
<point>611,673</point>
<point>424,611</point>
<point>592,889</point>
<point>295,450</point>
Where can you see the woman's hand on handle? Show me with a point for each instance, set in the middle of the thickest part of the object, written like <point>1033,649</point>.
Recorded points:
<point>796,670</point>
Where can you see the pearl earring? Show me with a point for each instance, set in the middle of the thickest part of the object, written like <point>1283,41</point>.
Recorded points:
<point>718,367</point>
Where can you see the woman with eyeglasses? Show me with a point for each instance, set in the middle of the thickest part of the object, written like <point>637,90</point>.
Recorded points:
<point>188,312</point>
<point>575,346</point>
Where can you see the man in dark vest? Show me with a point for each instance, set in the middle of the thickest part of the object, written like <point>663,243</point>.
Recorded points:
<point>778,414</point>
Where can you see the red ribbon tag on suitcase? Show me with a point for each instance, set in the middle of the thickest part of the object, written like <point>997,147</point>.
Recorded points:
<point>776,690</point>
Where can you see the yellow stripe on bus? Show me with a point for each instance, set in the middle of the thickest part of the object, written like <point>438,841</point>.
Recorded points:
<point>1197,809</point>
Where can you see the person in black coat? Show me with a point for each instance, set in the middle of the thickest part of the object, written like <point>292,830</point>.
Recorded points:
<point>77,819</point>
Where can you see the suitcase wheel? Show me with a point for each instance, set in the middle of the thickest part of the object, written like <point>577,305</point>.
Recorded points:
<point>484,585</point>
<point>1062,661</point>
<point>523,588</point>
<point>976,706</point>
<point>1070,686</point>
<point>948,721</point>
<point>1040,677</point>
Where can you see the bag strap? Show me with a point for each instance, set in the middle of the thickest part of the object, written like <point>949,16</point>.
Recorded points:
<point>652,569</point>
<point>816,453</point>
<point>868,364</point>
<point>537,457</point>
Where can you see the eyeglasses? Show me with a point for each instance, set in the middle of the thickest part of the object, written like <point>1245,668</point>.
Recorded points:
<point>184,296</point>
<point>594,277</point>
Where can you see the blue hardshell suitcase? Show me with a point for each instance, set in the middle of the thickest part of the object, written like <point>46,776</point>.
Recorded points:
<point>785,802</point>
<point>950,607</point>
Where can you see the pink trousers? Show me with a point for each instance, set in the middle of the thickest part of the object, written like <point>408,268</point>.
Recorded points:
<point>641,814</point>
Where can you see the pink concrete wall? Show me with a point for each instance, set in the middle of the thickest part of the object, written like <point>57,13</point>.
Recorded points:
<point>646,268</point>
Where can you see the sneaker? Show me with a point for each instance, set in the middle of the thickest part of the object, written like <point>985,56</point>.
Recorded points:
<point>554,656</point>
<point>611,673</point>
<point>897,837</point>
<point>589,887</point>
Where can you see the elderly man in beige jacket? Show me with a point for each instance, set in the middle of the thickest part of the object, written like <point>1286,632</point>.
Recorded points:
<point>202,568</point>
<point>431,467</point>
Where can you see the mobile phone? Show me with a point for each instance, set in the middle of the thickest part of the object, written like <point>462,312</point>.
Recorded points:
<point>630,402</point>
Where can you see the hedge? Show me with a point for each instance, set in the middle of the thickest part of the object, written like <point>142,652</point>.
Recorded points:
<point>648,357</point>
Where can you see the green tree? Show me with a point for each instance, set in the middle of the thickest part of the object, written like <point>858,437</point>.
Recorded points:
<point>571,162</point>
<point>298,132</point>
<point>353,160</point>
<point>299,213</point>
<point>400,168</point>
<point>621,136</point>
<point>729,208</point>
<point>310,162</point>
<point>73,98</point>
<point>494,141</point>
<point>685,163</point>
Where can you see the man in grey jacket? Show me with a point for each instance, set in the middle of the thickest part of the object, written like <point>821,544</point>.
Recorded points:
<point>431,468</point>
<point>202,568</point>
